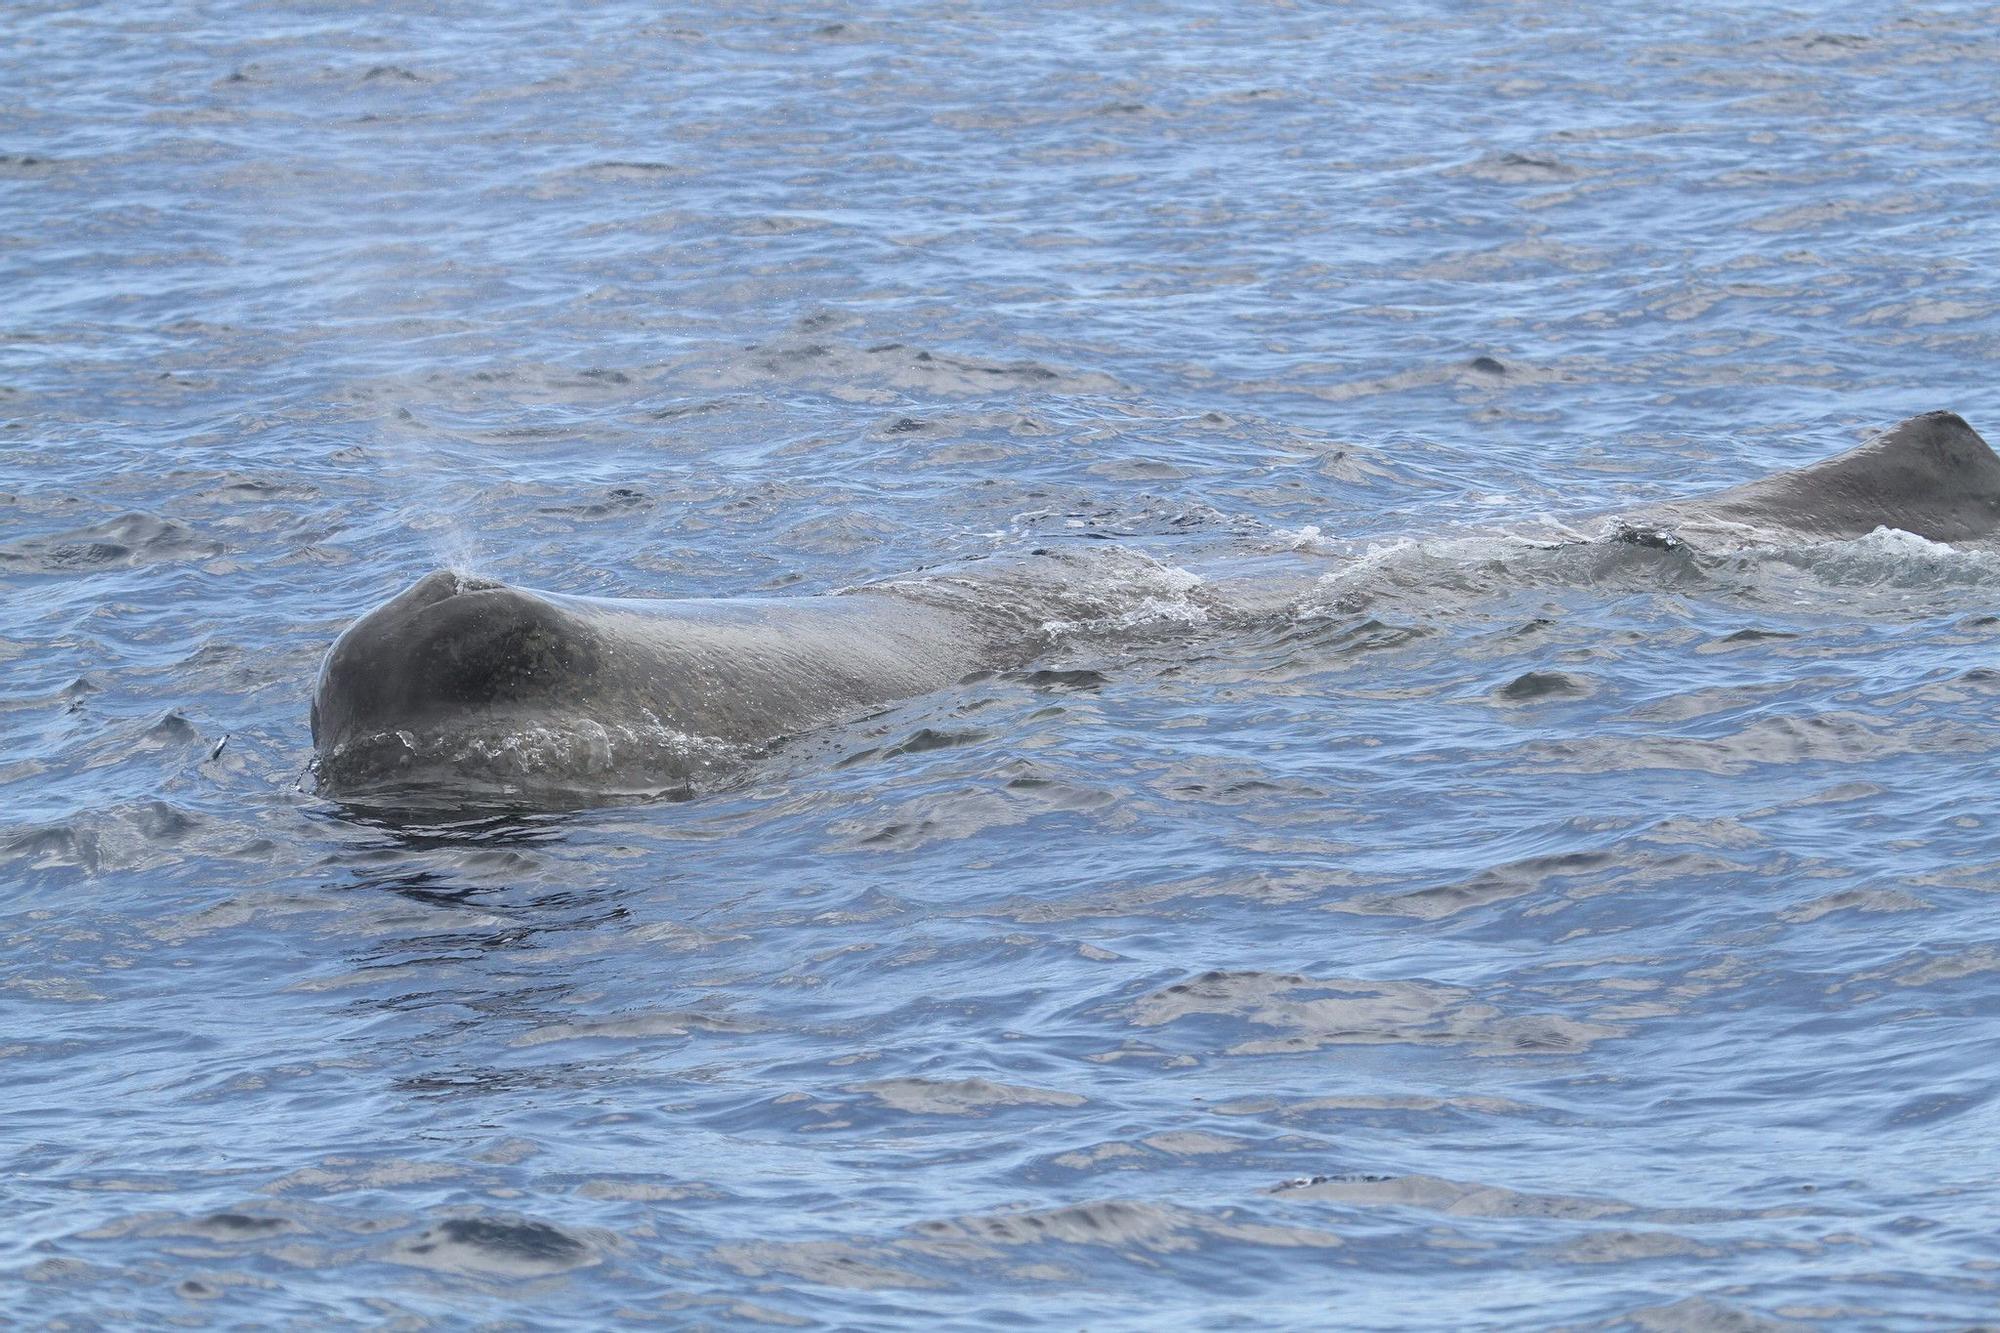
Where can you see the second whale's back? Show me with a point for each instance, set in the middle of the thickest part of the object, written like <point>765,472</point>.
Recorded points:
<point>1931,475</point>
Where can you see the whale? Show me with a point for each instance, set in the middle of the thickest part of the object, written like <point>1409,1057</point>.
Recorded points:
<point>471,679</point>
<point>1932,475</point>
<point>471,683</point>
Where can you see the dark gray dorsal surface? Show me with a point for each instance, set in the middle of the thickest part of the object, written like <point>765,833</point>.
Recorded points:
<point>1932,475</point>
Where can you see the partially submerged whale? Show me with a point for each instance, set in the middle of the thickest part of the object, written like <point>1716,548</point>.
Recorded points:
<point>466,677</point>
<point>466,681</point>
<point>1931,475</point>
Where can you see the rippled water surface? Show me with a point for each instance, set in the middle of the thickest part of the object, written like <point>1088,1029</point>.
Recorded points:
<point>1477,934</point>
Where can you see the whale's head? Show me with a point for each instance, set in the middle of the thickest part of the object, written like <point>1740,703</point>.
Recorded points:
<point>452,651</point>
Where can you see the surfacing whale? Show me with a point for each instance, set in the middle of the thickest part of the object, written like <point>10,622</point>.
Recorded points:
<point>480,686</point>
<point>1932,475</point>
<point>460,677</point>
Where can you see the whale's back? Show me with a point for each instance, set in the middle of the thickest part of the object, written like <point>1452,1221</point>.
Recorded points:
<point>1931,475</point>
<point>469,682</point>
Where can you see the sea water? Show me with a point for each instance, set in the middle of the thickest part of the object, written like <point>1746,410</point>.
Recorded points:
<point>1488,932</point>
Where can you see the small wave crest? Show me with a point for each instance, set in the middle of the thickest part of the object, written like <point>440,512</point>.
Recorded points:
<point>1433,569</point>
<point>1438,572</point>
<point>1306,538</point>
<point>1056,596</point>
<point>1152,594</point>
<point>1885,558</point>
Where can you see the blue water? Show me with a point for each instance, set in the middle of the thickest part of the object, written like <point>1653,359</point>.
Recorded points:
<point>1478,936</point>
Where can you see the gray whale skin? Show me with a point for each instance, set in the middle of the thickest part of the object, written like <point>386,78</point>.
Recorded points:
<point>471,680</point>
<point>1931,475</point>
<point>486,684</point>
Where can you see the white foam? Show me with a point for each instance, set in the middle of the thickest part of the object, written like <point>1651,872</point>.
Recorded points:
<point>1308,539</point>
<point>1460,551</point>
<point>1141,593</point>
<point>1887,557</point>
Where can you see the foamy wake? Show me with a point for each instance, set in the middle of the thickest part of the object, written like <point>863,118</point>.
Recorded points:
<point>1144,592</point>
<point>1457,563</point>
<point>1885,560</point>
<point>1889,557</point>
